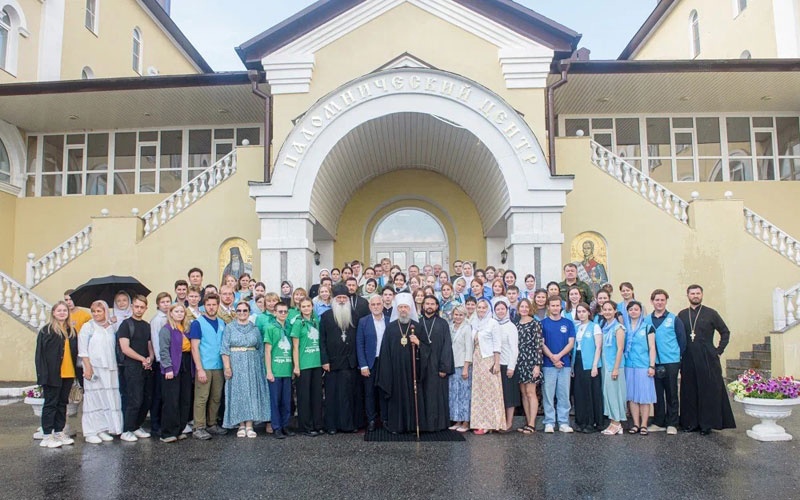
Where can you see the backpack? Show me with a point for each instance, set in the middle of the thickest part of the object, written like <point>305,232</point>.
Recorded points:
<point>120,355</point>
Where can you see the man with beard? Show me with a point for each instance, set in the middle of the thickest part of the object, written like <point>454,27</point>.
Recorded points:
<point>704,403</point>
<point>437,362</point>
<point>395,378</point>
<point>337,346</point>
<point>358,304</point>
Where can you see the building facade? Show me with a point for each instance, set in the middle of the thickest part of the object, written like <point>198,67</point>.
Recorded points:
<point>518,156</point>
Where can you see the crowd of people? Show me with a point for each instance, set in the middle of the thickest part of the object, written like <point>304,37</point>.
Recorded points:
<point>419,350</point>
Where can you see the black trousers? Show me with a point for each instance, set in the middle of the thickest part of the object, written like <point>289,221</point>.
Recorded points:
<point>54,411</point>
<point>373,399</point>
<point>137,390</point>
<point>309,399</point>
<point>155,400</point>
<point>176,399</point>
<point>666,409</point>
<point>588,396</point>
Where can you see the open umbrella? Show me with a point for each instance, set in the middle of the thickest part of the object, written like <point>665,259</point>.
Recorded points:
<point>106,288</point>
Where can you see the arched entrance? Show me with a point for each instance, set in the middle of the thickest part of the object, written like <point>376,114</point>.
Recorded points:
<point>410,236</point>
<point>403,119</point>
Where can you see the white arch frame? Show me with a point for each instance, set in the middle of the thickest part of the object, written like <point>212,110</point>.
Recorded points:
<point>137,38</point>
<point>446,240</point>
<point>19,27</point>
<point>15,147</point>
<point>528,183</point>
<point>694,34</point>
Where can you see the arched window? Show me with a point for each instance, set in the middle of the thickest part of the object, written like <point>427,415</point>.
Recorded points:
<point>137,50</point>
<point>694,34</point>
<point>5,164</point>
<point>91,15</point>
<point>410,236</point>
<point>12,27</point>
<point>739,6</point>
<point>746,55</point>
<point>5,31</point>
<point>87,73</point>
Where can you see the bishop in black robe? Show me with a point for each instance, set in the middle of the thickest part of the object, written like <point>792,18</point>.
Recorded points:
<point>436,363</point>
<point>395,378</point>
<point>704,403</point>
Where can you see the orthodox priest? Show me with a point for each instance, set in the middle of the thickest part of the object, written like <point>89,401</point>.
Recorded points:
<point>337,346</point>
<point>436,365</point>
<point>704,401</point>
<point>358,304</point>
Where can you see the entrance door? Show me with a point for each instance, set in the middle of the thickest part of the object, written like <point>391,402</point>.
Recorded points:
<point>410,236</point>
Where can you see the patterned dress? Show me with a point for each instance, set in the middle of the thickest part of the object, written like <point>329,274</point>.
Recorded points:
<point>530,351</point>
<point>246,392</point>
<point>486,407</point>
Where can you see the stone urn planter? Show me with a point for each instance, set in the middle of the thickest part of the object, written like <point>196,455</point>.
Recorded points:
<point>769,411</point>
<point>38,403</point>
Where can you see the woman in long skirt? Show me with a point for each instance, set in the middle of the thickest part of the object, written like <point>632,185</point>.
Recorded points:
<point>509,352</point>
<point>640,363</point>
<point>529,363</point>
<point>102,407</point>
<point>246,394</point>
<point>487,412</point>
<point>461,380</point>
<point>614,389</point>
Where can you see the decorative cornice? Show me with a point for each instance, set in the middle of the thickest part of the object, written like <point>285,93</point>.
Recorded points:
<point>525,69</point>
<point>289,74</point>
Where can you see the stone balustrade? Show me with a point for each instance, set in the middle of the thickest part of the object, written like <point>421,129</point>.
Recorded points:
<point>37,270</point>
<point>189,193</point>
<point>772,236</point>
<point>649,189</point>
<point>786,308</point>
<point>22,304</point>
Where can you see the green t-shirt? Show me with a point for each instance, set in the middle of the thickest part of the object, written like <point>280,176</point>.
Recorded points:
<point>264,321</point>
<point>276,336</point>
<point>308,333</point>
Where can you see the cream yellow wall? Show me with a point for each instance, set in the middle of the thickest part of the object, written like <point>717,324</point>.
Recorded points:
<point>8,209</point>
<point>653,250</point>
<point>407,28</point>
<point>721,35</point>
<point>191,239</point>
<point>28,57</point>
<point>109,53</point>
<point>410,188</point>
<point>19,346</point>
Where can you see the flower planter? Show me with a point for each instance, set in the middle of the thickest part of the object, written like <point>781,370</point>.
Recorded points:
<point>38,403</point>
<point>769,411</point>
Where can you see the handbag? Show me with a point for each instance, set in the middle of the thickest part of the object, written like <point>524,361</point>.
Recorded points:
<point>76,393</point>
<point>661,370</point>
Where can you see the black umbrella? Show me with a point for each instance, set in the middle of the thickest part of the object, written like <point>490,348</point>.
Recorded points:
<point>106,288</point>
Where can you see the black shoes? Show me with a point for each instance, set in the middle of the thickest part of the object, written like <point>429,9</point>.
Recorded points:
<point>311,433</point>
<point>278,434</point>
<point>371,426</point>
<point>331,432</point>
<point>705,432</point>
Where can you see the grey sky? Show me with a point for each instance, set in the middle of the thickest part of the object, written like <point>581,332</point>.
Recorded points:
<point>606,25</point>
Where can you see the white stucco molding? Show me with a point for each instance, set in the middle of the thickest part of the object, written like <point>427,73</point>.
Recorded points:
<point>521,59</point>
<point>15,147</point>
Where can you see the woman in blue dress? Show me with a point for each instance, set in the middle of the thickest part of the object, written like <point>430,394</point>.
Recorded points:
<point>246,393</point>
<point>461,380</point>
<point>640,367</point>
<point>614,388</point>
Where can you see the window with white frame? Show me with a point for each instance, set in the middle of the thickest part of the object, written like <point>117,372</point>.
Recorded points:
<point>91,16</point>
<point>5,34</point>
<point>694,34</point>
<point>745,55</point>
<point>5,164</point>
<point>739,6</point>
<point>137,51</point>
<point>87,73</point>
<point>128,162</point>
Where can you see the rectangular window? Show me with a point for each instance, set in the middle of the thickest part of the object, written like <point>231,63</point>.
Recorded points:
<point>740,161</point>
<point>709,150</point>
<point>199,152</point>
<point>572,127</point>
<point>75,157</point>
<point>170,170</point>
<point>52,165</point>
<point>788,148</point>
<point>125,163</point>
<point>91,15</point>
<point>252,135</point>
<point>628,140</point>
<point>658,149</point>
<point>33,161</point>
<point>97,164</point>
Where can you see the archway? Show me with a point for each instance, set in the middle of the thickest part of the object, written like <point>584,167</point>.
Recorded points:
<point>410,236</point>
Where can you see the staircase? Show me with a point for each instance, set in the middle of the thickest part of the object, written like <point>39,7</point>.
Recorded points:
<point>760,359</point>
<point>22,304</point>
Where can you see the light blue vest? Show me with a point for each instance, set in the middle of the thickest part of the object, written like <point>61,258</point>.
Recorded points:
<point>667,348</point>
<point>637,354</point>
<point>210,344</point>
<point>587,346</point>
<point>610,345</point>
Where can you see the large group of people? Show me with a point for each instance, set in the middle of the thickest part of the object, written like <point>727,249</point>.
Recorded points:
<point>418,350</point>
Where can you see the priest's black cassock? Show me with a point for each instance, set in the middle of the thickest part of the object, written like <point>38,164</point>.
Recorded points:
<point>436,356</point>
<point>360,307</point>
<point>344,407</point>
<point>395,377</point>
<point>704,400</point>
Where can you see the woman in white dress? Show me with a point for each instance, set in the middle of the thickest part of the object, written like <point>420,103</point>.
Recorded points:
<point>102,414</point>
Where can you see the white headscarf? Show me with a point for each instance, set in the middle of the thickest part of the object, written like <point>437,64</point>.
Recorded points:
<point>485,323</point>
<point>404,299</point>
<point>504,300</point>
<point>122,314</point>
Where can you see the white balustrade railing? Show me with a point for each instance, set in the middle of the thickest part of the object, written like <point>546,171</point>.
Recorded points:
<point>772,236</point>
<point>38,270</point>
<point>786,308</point>
<point>22,304</point>
<point>649,189</point>
<point>190,193</point>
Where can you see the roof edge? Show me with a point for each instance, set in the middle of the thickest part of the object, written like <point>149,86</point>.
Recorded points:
<point>169,24</point>
<point>645,30</point>
<point>683,66</point>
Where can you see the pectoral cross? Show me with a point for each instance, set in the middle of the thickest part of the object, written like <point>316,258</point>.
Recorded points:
<point>344,336</point>
<point>692,336</point>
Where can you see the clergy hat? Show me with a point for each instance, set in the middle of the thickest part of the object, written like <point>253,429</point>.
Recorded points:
<point>340,290</point>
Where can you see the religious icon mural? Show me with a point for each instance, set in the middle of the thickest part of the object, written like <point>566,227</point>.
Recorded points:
<point>589,252</point>
<point>235,258</point>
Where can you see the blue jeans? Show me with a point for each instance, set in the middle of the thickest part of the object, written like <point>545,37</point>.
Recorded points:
<point>280,400</point>
<point>556,384</point>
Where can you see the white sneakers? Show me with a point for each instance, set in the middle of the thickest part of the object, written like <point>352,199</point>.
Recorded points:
<point>129,437</point>
<point>106,437</point>
<point>187,429</point>
<point>565,428</point>
<point>655,428</point>
<point>93,439</point>
<point>65,439</point>
<point>672,430</point>
<point>548,429</point>
<point>141,433</point>
<point>56,440</point>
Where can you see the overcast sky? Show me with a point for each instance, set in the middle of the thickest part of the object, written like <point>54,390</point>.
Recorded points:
<point>606,25</point>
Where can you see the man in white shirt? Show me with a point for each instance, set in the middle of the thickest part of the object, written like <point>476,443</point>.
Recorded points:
<point>369,335</point>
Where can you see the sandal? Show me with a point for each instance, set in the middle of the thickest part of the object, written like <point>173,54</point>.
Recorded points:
<point>612,430</point>
<point>241,432</point>
<point>526,430</point>
<point>633,430</point>
<point>251,433</point>
<point>643,431</point>
<point>462,429</point>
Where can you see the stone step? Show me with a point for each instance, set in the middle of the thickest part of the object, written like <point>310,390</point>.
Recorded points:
<point>767,340</point>
<point>762,347</point>
<point>745,364</point>
<point>762,355</point>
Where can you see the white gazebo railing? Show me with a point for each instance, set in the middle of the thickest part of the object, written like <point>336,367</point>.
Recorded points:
<point>189,193</point>
<point>786,308</point>
<point>21,303</point>
<point>37,270</point>
<point>772,236</point>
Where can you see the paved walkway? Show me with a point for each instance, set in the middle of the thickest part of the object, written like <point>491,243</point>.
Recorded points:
<point>724,465</point>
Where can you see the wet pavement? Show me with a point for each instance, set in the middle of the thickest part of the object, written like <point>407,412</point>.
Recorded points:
<point>724,465</point>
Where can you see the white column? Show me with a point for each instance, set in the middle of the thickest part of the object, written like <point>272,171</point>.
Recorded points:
<point>287,249</point>
<point>51,41</point>
<point>529,231</point>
